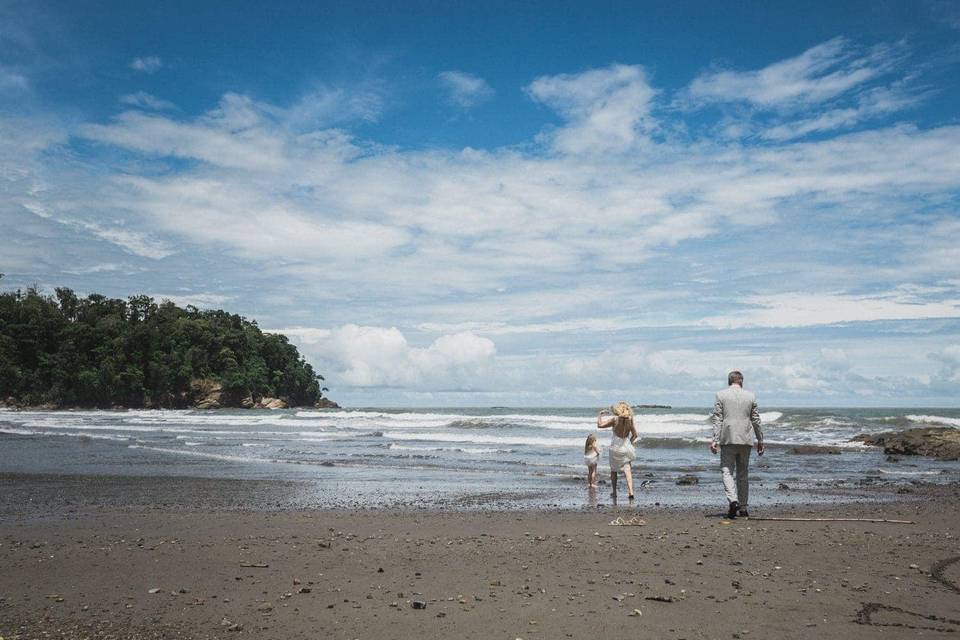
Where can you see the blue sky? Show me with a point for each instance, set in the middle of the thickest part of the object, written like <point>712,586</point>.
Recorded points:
<point>509,203</point>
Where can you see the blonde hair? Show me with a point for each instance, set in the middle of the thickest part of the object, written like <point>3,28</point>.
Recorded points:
<point>622,410</point>
<point>588,445</point>
<point>624,414</point>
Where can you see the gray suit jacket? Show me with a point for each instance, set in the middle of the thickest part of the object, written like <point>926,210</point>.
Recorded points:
<point>734,414</point>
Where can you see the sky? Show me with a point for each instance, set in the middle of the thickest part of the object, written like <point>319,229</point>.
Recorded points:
<point>523,203</point>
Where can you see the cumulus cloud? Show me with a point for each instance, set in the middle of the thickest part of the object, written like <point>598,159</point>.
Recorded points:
<point>465,90</point>
<point>605,109</point>
<point>606,227</point>
<point>382,357</point>
<point>146,64</point>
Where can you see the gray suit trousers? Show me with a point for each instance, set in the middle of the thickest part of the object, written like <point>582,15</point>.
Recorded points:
<point>734,466</point>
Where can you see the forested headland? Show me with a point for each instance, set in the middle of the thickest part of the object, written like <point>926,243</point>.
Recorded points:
<point>70,351</point>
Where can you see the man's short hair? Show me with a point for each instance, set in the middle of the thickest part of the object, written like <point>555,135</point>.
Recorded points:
<point>735,377</point>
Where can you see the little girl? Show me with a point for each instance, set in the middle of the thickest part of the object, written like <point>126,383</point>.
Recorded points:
<point>591,456</point>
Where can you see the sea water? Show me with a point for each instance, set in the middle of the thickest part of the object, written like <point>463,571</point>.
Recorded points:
<point>469,456</point>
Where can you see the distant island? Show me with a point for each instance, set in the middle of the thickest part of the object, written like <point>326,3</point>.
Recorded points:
<point>64,351</point>
<point>652,406</point>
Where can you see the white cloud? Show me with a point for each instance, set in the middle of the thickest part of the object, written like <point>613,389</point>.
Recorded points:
<point>820,73</point>
<point>320,205</point>
<point>870,104</point>
<point>611,228</point>
<point>465,90</point>
<point>382,357</point>
<point>199,300</point>
<point>135,242</point>
<point>326,106</point>
<point>811,309</point>
<point>949,357</point>
<point>607,110</point>
<point>144,100</point>
<point>146,64</point>
<point>94,268</point>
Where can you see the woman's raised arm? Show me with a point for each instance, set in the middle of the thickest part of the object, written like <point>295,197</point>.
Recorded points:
<point>604,419</point>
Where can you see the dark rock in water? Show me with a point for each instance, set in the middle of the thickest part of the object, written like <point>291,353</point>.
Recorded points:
<point>326,403</point>
<point>688,479</point>
<point>935,442</point>
<point>893,459</point>
<point>419,604</point>
<point>328,463</point>
<point>783,486</point>
<point>813,449</point>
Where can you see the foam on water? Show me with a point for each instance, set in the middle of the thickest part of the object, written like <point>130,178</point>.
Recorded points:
<point>446,436</point>
<point>950,422</point>
<point>506,446</point>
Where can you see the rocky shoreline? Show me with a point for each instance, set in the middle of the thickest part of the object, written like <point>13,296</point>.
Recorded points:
<point>935,442</point>
<point>203,394</point>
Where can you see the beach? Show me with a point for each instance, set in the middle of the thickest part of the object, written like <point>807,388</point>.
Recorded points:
<point>126,557</point>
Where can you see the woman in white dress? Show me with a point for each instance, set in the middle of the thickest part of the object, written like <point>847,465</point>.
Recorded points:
<point>624,435</point>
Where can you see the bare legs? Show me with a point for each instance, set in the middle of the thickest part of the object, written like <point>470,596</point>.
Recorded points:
<point>628,474</point>
<point>592,475</point>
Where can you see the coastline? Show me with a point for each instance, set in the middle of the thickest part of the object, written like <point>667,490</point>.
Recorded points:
<point>190,566</point>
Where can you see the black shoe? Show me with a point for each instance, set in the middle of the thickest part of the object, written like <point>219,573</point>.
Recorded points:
<point>743,514</point>
<point>732,513</point>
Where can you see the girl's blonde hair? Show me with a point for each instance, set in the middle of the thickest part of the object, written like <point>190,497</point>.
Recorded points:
<point>591,440</point>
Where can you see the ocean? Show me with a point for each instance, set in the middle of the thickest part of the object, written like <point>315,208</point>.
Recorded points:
<point>470,457</point>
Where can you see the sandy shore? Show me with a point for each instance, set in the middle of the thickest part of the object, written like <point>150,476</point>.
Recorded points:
<point>202,567</point>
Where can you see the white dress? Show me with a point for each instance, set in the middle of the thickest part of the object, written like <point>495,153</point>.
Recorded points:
<point>621,452</point>
<point>591,459</point>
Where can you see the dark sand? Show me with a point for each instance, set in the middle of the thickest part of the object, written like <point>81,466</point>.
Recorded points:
<point>72,569</point>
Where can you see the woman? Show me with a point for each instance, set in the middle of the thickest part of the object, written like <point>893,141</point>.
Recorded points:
<point>622,452</point>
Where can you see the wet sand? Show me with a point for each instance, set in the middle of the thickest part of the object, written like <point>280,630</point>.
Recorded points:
<point>206,565</point>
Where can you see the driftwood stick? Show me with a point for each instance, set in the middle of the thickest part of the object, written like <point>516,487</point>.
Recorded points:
<point>836,520</point>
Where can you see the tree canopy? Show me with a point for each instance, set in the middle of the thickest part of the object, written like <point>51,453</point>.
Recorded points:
<point>101,352</point>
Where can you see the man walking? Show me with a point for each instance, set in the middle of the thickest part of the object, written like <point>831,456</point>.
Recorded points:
<point>734,415</point>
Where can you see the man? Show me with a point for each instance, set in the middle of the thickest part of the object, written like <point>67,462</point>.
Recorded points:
<point>734,415</point>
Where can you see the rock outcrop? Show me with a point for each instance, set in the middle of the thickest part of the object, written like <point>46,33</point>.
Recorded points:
<point>206,394</point>
<point>814,449</point>
<point>272,403</point>
<point>935,442</point>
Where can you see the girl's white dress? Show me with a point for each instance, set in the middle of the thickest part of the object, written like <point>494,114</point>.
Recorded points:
<point>591,459</point>
<point>621,451</point>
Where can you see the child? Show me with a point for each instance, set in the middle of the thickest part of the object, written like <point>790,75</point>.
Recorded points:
<point>591,456</point>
